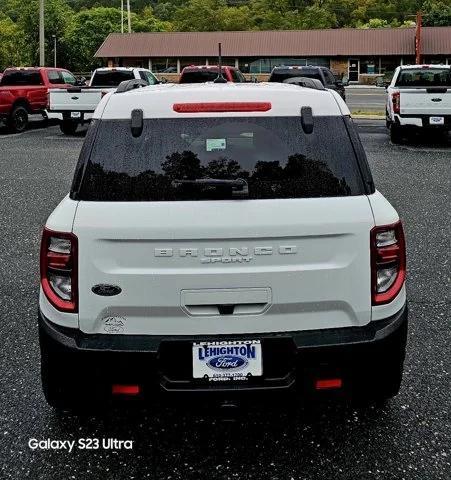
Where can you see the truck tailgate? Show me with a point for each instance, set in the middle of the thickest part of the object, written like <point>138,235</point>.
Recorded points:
<point>285,265</point>
<point>80,100</point>
<point>422,101</point>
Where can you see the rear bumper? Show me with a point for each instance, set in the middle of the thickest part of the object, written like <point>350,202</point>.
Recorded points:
<point>422,121</point>
<point>291,361</point>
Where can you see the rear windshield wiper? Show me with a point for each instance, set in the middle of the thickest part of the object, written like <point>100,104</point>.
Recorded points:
<point>238,187</point>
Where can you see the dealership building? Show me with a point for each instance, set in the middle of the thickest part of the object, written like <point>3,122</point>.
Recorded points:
<point>360,54</point>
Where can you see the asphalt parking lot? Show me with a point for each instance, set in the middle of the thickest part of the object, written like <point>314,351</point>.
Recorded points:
<point>407,439</point>
<point>366,99</point>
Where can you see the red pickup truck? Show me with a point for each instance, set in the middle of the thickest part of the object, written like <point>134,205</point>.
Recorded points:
<point>23,91</point>
<point>208,73</point>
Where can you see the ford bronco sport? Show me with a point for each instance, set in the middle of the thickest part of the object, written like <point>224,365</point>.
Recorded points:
<point>223,240</point>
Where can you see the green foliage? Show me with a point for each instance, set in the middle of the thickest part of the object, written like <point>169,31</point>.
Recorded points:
<point>437,13</point>
<point>87,31</point>
<point>12,43</point>
<point>81,26</point>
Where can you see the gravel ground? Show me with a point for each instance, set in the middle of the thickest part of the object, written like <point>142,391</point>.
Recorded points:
<point>407,439</point>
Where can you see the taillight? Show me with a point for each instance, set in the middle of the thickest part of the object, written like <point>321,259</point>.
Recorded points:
<point>59,274</point>
<point>396,100</point>
<point>388,262</point>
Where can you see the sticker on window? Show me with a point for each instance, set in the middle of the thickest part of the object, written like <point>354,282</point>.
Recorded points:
<point>215,144</point>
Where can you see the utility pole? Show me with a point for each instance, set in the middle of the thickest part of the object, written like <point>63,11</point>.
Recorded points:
<point>122,16</point>
<point>54,50</point>
<point>41,34</point>
<point>419,21</point>
<point>129,19</point>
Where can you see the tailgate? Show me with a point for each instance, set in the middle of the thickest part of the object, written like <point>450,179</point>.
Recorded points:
<point>80,100</point>
<point>224,267</point>
<point>433,101</point>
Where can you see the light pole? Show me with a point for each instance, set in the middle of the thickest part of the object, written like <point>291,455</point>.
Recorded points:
<point>129,19</point>
<point>41,34</point>
<point>54,50</point>
<point>122,16</point>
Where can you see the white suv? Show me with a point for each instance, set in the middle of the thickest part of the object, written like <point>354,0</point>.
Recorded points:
<point>223,239</point>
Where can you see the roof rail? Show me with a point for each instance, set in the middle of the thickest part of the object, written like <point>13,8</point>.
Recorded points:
<point>305,82</point>
<point>128,85</point>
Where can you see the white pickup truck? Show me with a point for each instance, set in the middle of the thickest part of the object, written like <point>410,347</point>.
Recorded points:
<point>77,104</point>
<point>419,96</point>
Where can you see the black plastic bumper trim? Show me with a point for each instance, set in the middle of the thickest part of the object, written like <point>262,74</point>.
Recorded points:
<point>75,340</point>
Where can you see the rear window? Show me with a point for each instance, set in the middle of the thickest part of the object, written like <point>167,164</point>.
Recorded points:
<point>21,77</point>
<point>281,75</point>
<point>199,76</point>
<point>427,77</point>
<point>111,78</point>
<point>218,158</point>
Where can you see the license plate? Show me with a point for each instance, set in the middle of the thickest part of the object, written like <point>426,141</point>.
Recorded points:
<point>436,120</point>
<point>75,114</point>
<point>227,360</point>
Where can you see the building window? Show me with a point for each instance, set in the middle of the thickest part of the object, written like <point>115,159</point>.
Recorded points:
<point>389,65</point>
<point>369,66</point>
<point>265,65</point>
<point>164,65</point>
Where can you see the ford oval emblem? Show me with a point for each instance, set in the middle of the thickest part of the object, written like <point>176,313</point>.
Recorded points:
<point>105,290</point>
<point>436,99</point>
<point>227,362</point>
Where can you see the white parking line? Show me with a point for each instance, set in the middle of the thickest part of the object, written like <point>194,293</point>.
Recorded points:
<point>63,137</point>
<point>14,134</point>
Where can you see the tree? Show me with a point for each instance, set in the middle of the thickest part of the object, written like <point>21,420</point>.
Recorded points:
<point>13,51</point>
<point>437,14</point>
<point>87,32</point>
<point>199,16</point>
<point>26,15</point>
<point>146,21</point>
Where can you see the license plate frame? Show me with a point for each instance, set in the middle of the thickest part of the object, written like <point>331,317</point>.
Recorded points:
<point>228,360</point>
<point>436,120</point>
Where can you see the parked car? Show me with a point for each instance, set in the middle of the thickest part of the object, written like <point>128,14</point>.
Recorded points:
<point>23,91</point>
<point>323,74</point>
<point>77,104</point>
<point>208,73</point>
<point>418,98</point>
<point>221,240</point>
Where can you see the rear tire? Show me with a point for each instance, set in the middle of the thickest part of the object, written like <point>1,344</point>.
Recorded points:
<point>396,134</point>
<point>18,120</point>
<point>68,127</point>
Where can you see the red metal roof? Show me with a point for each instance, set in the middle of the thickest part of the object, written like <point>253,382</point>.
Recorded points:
<point>333,42</point>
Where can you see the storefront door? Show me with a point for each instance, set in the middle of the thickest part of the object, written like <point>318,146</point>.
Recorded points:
<point>353,69</point>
